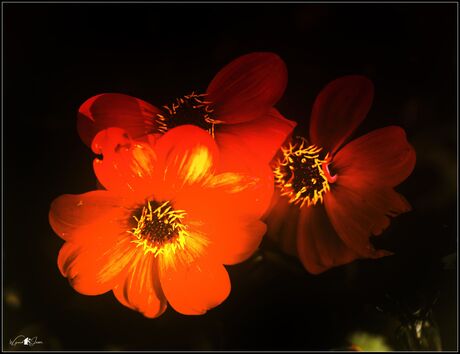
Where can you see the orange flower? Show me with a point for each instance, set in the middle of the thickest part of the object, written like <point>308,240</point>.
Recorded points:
<point>341,196</point>
<point>237,109</point>
<point>168,221</point>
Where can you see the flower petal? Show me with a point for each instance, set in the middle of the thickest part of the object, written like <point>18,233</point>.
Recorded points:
<point>107,110</point>
<point>186,156</point>
<point>262,137</point>
<point>359,213</point>
<point>232,240</point>
<point>94,263</point>
<point>246,180</point>
<point>127,165</point>
<point>319,246</point>
<point>282,223</point>
<point>227,195</point>
<point>193,288</point>
<point>383,158</point>
<point>246,88</point>
<point>68,212</point>
<point>339,109</point>
<point>141,290</point>
<point>226,211</point>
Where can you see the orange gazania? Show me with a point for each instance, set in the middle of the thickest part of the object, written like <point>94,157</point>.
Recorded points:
<point>237,109</point>
<point>171,217</point>
<point>338,197</point>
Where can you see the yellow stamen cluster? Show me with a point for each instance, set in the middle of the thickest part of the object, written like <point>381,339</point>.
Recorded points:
<point>193,102</point>
<point>160,230</point>
<point>300,174</point>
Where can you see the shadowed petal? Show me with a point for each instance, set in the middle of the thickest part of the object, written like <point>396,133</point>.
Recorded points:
<point>319,246</point>
<point>246,88</point>
<point>282,223</point>
<point>359,213</point>
<point>107,110</point>
<point>383,158</point>
<point>338,110</point>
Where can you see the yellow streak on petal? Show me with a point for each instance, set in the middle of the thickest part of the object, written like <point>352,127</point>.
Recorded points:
<point>143,161</point>
<point>198,165</point>
<point>234,182</point>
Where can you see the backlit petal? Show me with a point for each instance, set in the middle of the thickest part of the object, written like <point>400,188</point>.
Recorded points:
<point>226,211</point>
<point>107,110</point>
<point>141,290</point>
<point>359,213</point>
<point>262,137</point>
<point>186,156</point>
<point>228,194</point>
<point>247,87</point>
<point>70,211</point>
<point>195,287</point>
<point>319,246</point>
<point>232,240</point>
<point>94,264</point>
<point>127,165</point>
<point>339,109</point>
<point>383,158</point>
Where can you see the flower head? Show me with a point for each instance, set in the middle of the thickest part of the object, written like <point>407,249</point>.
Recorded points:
<point>169,220</point>
<point>236,109</point>
<point>343,194</point>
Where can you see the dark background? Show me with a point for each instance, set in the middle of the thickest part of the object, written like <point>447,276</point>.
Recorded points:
<point>58,55</point>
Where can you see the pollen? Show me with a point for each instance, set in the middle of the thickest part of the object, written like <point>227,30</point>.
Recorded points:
<point>159,229</point>
<point>189,109</point>
<point>301,173</point>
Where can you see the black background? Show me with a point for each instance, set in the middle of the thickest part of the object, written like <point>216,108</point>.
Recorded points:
<point>58,55</point>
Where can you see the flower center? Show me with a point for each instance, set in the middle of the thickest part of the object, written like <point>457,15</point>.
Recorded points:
<point>302,175</point>
<point>159,228</point>
<point>189,109</point>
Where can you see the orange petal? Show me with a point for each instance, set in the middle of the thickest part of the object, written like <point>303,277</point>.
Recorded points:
<point>69,212</point>
<point>261,137</point>
<point>193,288</point>
<point>226,211</point>
<point>382,157</point>
<point>339,109</point>
<point>186,156</point>
<point>357,214</point>
<point>248,87</point>
<point>107,110</point>
<point>231,240</point>
<point>95,263</point>
<point>319,246</point>
<point>227,195</point>
<point>141,290</point>
<point>127,165</point>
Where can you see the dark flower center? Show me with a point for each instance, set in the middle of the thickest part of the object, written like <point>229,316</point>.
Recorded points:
<point>158,227</point>
<point>190,109</point>
<point>302,174</point>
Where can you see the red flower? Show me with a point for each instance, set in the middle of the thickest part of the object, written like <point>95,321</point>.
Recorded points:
<point>237,109</point>
<point>168,221</point>
<point>344,195</point>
